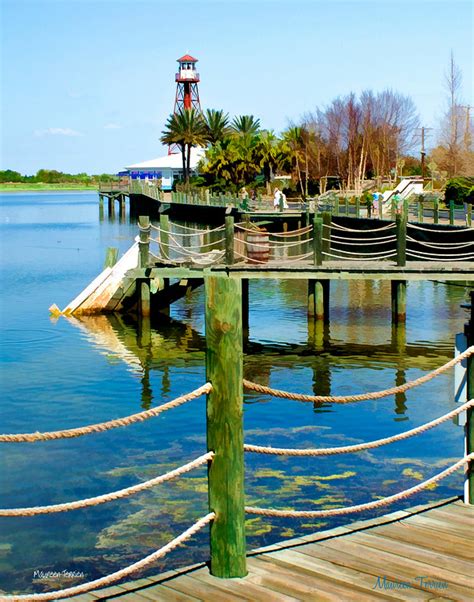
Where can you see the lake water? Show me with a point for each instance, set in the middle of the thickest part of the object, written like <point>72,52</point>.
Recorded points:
<point>66,373</point>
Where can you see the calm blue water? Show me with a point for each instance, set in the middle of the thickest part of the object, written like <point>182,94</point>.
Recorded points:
<point>65,373</point>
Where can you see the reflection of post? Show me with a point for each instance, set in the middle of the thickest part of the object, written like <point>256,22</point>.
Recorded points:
<point>321,378</point>
<point>165,380</point>
<point>144,342</point>
<point>399,342</point>
<point>318,335</point>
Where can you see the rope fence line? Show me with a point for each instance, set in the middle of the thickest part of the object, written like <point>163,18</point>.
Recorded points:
<point>444,259</point>
<point>363,396</point>
<point>371,254</point>
<point>445,255</point>
<point>105,426</point>
<point>335,226</point>
<point>389,238</point>
<point>410,225</point>
<point>447,245</point>
<point>361,257</point>
<point>368,505</point>
<point>113,577</point>
<point>109,497</point>
<point>346,449</point>
<point>294,259</point>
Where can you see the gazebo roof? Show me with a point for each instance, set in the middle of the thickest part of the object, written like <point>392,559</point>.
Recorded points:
<point>173,161</point>
<point>187,58</point>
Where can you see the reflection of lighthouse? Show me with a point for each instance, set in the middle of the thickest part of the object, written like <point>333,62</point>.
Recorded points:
<point>187,79</point>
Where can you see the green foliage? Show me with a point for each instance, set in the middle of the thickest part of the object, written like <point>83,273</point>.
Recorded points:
<point>460,190</point>
<point>9,175</point>
<point>52,176</point>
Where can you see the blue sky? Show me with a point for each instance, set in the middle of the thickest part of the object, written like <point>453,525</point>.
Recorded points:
<point>87,85</point>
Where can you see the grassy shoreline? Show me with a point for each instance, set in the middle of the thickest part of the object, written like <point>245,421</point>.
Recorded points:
<point>38,187</point>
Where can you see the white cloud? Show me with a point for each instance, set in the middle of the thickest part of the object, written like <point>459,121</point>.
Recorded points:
<point>58,132</point>
<point>112,126</point>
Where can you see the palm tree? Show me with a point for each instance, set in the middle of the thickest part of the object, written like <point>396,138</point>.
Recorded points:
<point>217,124</point>
<point>267,152</point>
<point>186,129</point>
<point>246,125</point>
<point>294,139</point>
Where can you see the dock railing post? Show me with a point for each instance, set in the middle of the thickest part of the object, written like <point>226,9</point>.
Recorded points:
<point>469,214</point>
<point>469,426</point>
<point>435,210</point>
<point>326,237</point>
<point>164,236</point>
<point>451,213</point>
<point>229,239</point>
<point>357,206</point>
<point>317,241</point>
<point>224,369</point>
<point>420,209</point>
<point>401,231</point>
<point>144,240</point>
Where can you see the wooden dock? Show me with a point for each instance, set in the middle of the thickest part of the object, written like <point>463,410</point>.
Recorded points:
<point>424,553</point>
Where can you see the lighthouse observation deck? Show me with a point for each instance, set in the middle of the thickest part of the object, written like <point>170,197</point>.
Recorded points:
<point>187,75</point>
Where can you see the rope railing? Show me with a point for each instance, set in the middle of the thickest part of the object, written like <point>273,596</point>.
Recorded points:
<point>112,496</point>
<point>368,505</point>
<point>415,227</point>
<point>294,259</point>
<point>363,396</point>
<point>374,240</point>
<point>360,258</point>
<point>335,226</point>
<point>443,245</point>
<point>347,449</point>
<point>439,258</point>
<point>105,426</point>
<point>121,574</point>
<point>371,254</point>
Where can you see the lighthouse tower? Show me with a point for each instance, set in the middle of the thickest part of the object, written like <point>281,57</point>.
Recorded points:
<point>187,79</point>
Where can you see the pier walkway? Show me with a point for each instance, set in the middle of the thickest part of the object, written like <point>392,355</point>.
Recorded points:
<point>422,553</point>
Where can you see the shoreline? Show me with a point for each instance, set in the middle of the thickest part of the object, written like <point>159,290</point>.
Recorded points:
<point>46,188</point>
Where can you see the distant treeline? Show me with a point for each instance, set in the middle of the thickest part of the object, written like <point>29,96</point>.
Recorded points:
<point>51,176</point>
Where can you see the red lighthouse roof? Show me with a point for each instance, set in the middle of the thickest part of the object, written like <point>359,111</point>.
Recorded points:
<point>187,58</point>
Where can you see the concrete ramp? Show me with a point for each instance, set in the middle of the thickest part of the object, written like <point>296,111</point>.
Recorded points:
<point>106,291</point>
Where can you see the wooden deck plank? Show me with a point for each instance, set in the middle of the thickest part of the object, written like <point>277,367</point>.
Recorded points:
<point>305,586</point>
<point>384,561</point>
<point>361,561</point>
<point>412,551</point>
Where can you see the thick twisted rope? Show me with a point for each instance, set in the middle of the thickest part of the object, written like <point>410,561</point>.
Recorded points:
<point>368,505</point>
<point>361,257</point>
<point>335,226</point>
<point>347,449</point>
<point>361,397</point>
<point>442,245</point>
<point>409,225</point>
<point>109,497</point>
<point>277,261</point>
<point>362,241</point>
<point>445,256</point>
<point>112,578</point>
<point>371,254</point>
<point>445,259</point>
<point>197,231</point>
<point>110,424</point>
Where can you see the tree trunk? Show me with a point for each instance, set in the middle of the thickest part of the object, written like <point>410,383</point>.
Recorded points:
<point>183,156</point>
<point>188,164</point>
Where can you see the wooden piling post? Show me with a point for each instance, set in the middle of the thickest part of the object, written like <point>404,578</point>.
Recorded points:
<point>399,301</point>
<point>469,214</point>
<point>451,213</point>
<point>380,203</point>
<point>357,206</point>
<point>164,236</point>
<point>420,209</point>
<point>326,232</point>
<point>229,239</point>
<point>469,425</point>
<point>346,205</point>
<point>317,241</point>
<point>435,210</point>
<point>401,232</point>
<point>406,208</point>
<point>245,308</point>
<point>318,299</point>
<point>336,205</point>
<point>144,242</point>
<point>224,369</point>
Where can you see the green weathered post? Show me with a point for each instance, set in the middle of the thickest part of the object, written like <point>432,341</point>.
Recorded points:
<point>420,209</point>
<point>281,205</point>
<point>336,205</point>
<point>469,214</point>
<point>469,426</point>
<point>144,242</point>
<point>224,369</point>
<point>401,232</point>
<point>451,213</point>
<point>229,240</point>
<point>357,206</point>
<point>165,236</point>
<point>406,208</point>
<point>143,257</point>
<point>326,232</point>
<point>208,198</point>
<point>318,240</point>
<point>436,210</point>
<point>346,203</point>
<point>380,206</point>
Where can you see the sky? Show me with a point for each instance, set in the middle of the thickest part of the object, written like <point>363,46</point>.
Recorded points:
<point>88,85</point>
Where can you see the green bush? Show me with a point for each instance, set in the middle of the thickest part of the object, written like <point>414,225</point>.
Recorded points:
<point>460,190</point>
